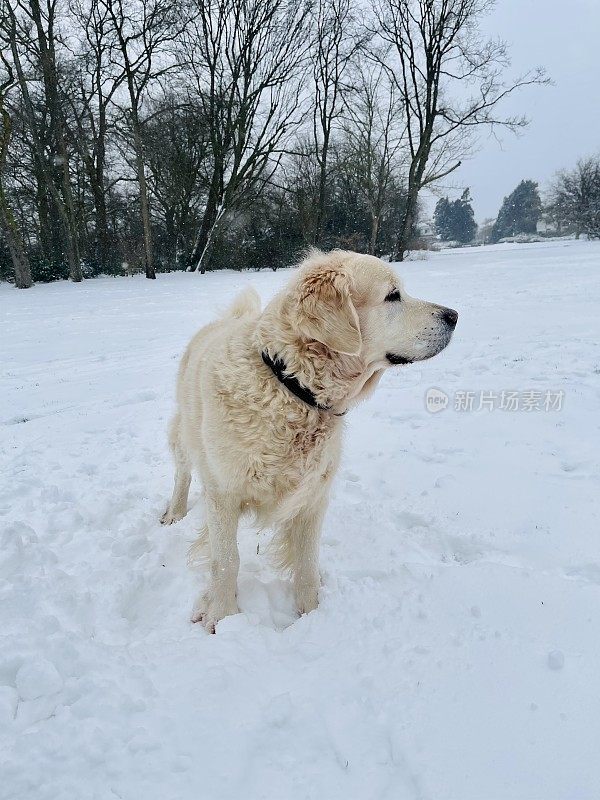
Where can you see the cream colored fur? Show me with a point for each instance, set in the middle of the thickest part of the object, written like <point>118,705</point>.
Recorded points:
<point>256,446</point>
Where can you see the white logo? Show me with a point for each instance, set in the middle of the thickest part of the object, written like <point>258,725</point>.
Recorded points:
<point>435,400</point>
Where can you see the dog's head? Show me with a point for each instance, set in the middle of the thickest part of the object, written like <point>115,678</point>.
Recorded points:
<point>355,304</point>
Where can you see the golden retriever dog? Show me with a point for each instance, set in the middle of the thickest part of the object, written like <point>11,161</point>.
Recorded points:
<point>262,398</point>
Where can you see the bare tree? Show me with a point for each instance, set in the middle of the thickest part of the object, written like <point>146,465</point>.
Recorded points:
<point>336,43</point>
<point>575,198</point>
<point>144,31</point>
<point>299,179</point>
<point>436,55</point>
<point>23,279</point>
<point>375,136</point>
<point>31,30</point>
<point>276,113</point>
<point>176,146</point>
<point>89,92</point>
<point>245,57</point>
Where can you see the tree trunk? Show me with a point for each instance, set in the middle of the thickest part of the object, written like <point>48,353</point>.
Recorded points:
<point>144,203</point>
<point>320,223</point>
<point>415,177</point>
<point>101,235</point>
<point>416,172</point>
<point>374,234</point>
<point>406,228</point>
<point>94,160</point>
<point>68,219</point>
<point>43,209</point>
<point>23,279</point>
<point>59,172</point>
<point>209,220</point>
<point>172,238</point>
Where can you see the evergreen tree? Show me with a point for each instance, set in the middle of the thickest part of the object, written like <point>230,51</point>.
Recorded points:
<point>455,221</point>
<point>464,226</point>
<point>519,213</point>
<point>441,218</point>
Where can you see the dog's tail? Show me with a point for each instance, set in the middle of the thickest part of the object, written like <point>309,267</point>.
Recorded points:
<point>246,303</point>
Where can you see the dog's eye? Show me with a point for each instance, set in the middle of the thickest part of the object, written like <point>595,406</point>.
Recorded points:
<point>393,295</point>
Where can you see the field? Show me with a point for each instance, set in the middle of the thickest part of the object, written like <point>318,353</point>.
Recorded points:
<point>455,654</point>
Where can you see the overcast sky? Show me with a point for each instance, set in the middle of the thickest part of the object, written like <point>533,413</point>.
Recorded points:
<point>564,37</point>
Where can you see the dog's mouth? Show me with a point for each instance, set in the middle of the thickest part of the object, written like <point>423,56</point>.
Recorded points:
<point>428,350</point>
<point>396,359</point>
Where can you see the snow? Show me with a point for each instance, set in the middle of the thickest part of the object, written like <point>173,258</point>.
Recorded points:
<point>455,654</point>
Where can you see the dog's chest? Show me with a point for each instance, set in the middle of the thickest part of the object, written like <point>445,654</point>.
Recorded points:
<point>293,455</point>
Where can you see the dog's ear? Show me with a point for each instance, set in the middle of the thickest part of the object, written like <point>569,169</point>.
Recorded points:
<point>327,313</point>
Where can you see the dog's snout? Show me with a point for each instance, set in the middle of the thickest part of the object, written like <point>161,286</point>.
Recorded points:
<point>450,317</point>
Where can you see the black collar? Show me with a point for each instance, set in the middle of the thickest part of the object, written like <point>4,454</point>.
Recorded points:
<point>278,368</point>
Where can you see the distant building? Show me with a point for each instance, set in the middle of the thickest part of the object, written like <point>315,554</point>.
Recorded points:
<point>546,226</point>
<point>426,227</point>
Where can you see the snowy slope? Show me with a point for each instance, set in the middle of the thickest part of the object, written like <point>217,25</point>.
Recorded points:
<point>455,654</point>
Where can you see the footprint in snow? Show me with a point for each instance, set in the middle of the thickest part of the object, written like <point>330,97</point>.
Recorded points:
<point>590,573</point>
<point>407,520</point>
<point>140,397</point>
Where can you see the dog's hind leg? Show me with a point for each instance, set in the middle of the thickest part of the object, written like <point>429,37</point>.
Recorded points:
<point>177,508</point>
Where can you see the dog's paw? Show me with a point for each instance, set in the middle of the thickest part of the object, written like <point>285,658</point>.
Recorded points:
<point>209,611</point>
<point>169,517</point>
<point>307,599</point>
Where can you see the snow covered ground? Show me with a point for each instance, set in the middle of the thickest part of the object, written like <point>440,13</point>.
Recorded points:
<point>455,654</point>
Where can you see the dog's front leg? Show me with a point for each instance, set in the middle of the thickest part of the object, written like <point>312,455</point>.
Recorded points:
<point>222,515</point>
<point>301,540</point>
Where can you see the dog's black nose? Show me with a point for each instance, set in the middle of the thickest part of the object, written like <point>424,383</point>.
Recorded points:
<point>450,317</point>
